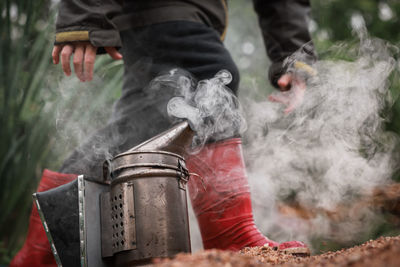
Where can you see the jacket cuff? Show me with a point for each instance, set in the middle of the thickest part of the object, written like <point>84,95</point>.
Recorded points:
<point>105,38</point>
<point>97,37</point>
<point>276,70</point>
<point>71,36</point>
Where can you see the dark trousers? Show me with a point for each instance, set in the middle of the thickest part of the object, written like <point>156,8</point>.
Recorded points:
<point>141,113</point>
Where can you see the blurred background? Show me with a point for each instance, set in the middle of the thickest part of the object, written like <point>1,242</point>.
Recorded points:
<point>44,115</point>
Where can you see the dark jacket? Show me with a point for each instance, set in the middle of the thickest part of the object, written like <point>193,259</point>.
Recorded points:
<point>284,23</point>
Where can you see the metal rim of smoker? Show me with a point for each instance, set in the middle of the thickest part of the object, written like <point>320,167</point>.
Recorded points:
<point>148,152</point>
<point>146,163</point>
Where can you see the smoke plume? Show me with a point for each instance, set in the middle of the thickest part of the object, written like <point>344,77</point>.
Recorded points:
<point>211,108</point>
<point>330,150</point>
<point>327,153</point>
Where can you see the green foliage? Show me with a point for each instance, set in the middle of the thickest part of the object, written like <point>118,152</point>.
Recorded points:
<point>334,17</point>
<point>31,101</point>
<point>24,142</point>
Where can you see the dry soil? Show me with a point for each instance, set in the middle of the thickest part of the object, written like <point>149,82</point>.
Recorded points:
<point>384,251</point>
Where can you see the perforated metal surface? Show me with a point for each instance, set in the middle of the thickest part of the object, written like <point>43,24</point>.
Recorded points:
<point>122,218</point>
<point>155,183</point>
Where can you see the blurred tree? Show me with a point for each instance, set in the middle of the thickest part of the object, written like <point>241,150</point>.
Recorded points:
<point>24,143</point>
<point>33,103</point>
<point>334,18</point>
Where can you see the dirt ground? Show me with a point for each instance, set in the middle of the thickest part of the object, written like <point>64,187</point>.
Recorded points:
<point>384,251</point>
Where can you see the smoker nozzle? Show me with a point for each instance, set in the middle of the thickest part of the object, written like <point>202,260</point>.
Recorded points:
<point>176,140</point>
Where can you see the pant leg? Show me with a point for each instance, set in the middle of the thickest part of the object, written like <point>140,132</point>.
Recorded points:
<point>139,114</point>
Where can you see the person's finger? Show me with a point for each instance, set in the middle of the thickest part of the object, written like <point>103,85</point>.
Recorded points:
<point>78,61</point>
<point>56,53</point>
<point>297,97</point>
<point>90,58</point>
<point>292,106</point>
<point>280,98</point>
<point>113,52</point>
<point>66,53</point>
<point>284,82</point>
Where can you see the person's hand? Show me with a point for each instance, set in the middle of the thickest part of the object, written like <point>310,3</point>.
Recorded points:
<point>292,89</point>
<point>84,56</point>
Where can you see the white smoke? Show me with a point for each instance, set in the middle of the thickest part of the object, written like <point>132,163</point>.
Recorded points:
<point>330,150</point>
<point>79,110</point>
<point>325,154</point>
<point>210,106</point>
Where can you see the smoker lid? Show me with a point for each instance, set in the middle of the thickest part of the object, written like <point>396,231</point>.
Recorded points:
<point>164,151</point>
<point>150,159</point>
<point>129,152</point>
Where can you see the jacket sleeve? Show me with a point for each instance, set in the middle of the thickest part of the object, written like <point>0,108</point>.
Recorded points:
<point>88,20</point>
<point>284,26</point>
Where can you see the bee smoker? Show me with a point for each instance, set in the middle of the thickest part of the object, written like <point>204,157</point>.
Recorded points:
<point>144,215</point>
<point>136,212</point>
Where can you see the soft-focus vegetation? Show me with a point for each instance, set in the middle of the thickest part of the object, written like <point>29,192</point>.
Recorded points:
<point>33,105</point>
<point>43,115</point>
<point>24,133</point>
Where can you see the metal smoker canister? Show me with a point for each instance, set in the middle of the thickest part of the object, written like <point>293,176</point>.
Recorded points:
<point>145,213</point>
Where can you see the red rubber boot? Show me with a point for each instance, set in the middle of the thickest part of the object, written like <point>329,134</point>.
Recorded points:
<point>220,198</point>
<point>36,250</point>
